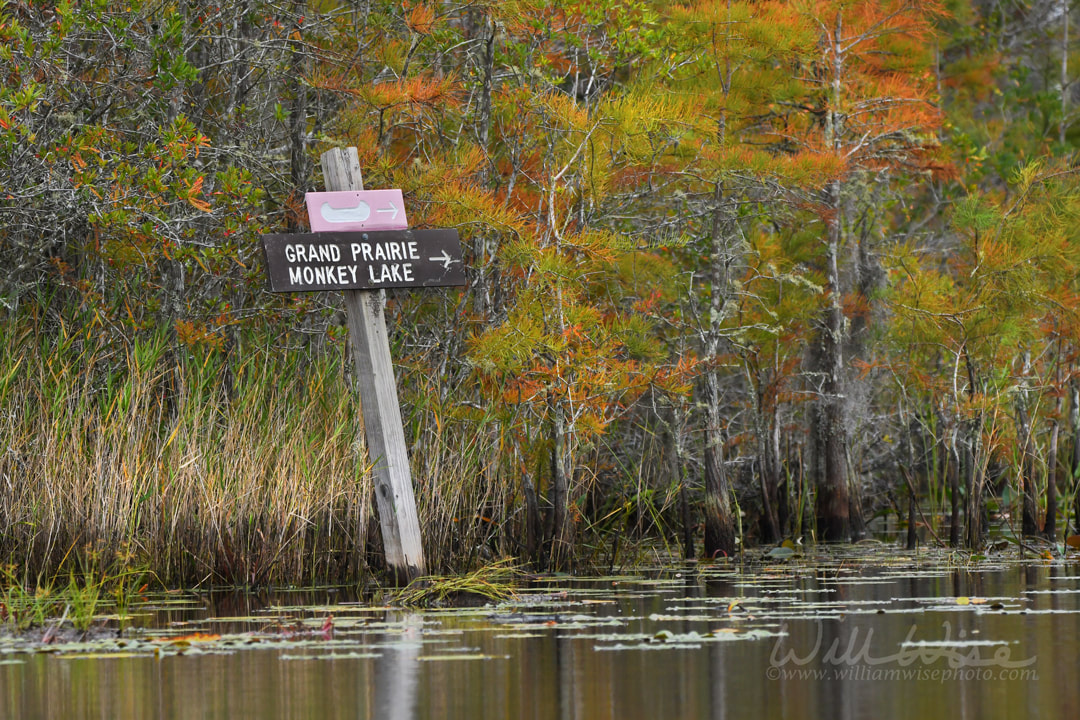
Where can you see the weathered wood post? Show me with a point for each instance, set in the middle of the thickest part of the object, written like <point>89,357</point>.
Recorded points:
<point>362,245</point>
<point>379,400</point>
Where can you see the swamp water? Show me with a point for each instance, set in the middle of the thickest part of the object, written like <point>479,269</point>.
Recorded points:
<point>849,633</point>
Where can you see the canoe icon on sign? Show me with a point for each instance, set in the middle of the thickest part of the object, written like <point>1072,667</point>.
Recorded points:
<point>356,210</point>
<point>357,214</point>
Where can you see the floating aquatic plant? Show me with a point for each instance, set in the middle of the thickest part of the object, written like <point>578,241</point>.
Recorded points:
<point>490,583</point>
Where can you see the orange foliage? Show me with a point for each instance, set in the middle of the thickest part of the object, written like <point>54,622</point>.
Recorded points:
<point>424,91</point>
<point>421,18</point>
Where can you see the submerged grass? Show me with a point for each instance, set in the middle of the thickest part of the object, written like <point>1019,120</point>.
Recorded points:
<point>80,600</point>
<point>491,583</point>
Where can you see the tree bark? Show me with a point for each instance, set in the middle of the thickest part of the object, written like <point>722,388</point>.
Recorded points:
<point>783,493</point>
<point>299,165</point>
<point>952,471</point>
<point>911,479</point>
<point>769,471</point>
<point>768,462</point>
<point>485,277</point>
<point>975,480</point>
<point>676,454</point>
<point>719,521</point>
<point>829,432</point>
<point>975,476</point>
<point>912,529</point>
<point>1029,512</point>
<point>562,524</point>
<point>1074,465</point>
<point>1050,526</point>
<point>532,521</point>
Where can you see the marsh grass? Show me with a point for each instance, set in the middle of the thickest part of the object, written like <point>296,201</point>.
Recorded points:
<point>243,467</point>
<point>464,498</point>
<point>81,600</point>
<point>239,468</point>
<point>22,608</point>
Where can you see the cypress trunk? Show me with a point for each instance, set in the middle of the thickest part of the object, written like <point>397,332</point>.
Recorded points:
<point>832,506</point>
<point>299,164</point>
<point>562,524</point>
<point>952,471</point>
<point>1074,465</point>
<point>676,452</point>
<point>1030,519</point>
<point>769,473</point>
<point>719,521</point>
<point>783,492</point>
<point>770,492</point>
<point>974,477</point>
<point>532,521</point>
<point>912,530</point>
<point>829,433</point>
<point>1050,526</point>
<point>974,481</point>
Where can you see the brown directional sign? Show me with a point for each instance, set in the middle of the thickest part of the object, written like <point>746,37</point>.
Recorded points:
<point>369,260</point>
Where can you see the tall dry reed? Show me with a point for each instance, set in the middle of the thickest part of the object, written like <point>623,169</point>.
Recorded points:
<point>241,468</point>
<point>244,467</point>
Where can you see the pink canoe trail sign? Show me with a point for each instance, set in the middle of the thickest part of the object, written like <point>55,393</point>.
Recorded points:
<point>356,210</point>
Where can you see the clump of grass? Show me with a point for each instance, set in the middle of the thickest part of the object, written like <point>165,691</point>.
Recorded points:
<point>241,464</point>
<point>81,600</point>
<point>491,583</point>
<point>465,498</point>
<point>238,468</point>
<point>22,608</point>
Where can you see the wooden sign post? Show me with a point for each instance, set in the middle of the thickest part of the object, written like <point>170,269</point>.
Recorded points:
<point>360,263</point>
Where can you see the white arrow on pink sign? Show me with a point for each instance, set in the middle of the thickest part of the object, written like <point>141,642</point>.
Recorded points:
<point>356,210</point>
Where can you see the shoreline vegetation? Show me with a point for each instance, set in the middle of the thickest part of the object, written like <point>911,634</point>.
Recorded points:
<point>92,605</point>
<point>739,274</point>
<point>211,473</point>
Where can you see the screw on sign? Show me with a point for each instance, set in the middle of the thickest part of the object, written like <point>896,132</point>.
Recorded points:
<point>362,245</point>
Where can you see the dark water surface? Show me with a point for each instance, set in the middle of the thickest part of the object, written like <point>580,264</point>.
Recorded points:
<point>847,635</point>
